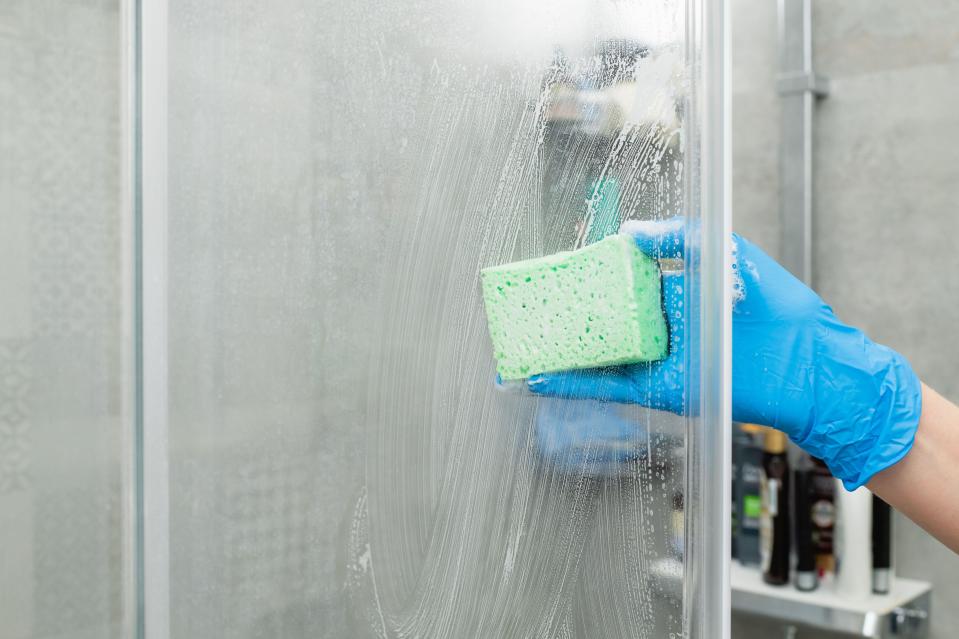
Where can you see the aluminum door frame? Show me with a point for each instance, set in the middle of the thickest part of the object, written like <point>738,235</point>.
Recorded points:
<point>709,316</point>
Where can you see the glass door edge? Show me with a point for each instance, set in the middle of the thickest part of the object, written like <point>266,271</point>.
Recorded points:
<point>152,29</point>
<point>709,456</point>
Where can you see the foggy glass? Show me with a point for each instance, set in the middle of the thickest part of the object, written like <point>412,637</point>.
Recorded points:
<point>65,376</point>
<point>341,462</point>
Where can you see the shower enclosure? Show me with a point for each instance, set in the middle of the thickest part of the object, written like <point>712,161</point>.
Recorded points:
<point>247,356</point>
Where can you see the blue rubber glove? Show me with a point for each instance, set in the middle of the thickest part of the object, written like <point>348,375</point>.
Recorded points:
<point>837,394</point>
<point>588,437</point>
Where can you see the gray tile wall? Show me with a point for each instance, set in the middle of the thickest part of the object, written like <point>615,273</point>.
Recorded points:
<point>886,187</point>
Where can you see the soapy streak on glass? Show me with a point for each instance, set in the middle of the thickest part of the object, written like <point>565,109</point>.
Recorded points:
<point>344,172</point>
<point>488,539</point>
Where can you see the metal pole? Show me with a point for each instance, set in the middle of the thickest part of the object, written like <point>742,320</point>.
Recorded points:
<point>798,85</point>
<point>129,232</point>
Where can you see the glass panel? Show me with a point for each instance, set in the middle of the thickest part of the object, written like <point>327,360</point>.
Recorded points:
<point>64,324</point>
<point>341,463</point>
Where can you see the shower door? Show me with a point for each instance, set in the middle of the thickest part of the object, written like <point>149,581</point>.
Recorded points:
<point>325,450</point>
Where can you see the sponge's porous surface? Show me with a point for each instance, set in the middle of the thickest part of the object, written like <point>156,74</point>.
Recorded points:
<point>598,306</point>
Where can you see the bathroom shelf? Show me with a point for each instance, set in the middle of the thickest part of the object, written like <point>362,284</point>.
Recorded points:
<point>903,613</point>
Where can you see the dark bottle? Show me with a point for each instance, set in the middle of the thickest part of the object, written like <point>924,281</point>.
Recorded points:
<point>881,546</point>
<point>806,577</point>
<point>774,526</point>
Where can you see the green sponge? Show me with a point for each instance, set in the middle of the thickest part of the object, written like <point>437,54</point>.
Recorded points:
<point>598,306</point>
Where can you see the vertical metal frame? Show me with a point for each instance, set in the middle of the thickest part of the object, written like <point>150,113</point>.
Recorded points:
<point>152,391</point>
<point>709,317</point>
<point>131,551</point>
<point>798,86</point>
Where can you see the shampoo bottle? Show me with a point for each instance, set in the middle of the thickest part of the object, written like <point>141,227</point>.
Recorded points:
<point>881,546</point>
<point>806,577</point>
<point>774,526</point>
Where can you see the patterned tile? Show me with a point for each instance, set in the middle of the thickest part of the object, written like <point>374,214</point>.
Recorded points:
<point>245,560</point>
<point>78,553</point>
<point>59,179</point>
<point>73,206</point>
<point>267,545</point>
<point>15,383</point>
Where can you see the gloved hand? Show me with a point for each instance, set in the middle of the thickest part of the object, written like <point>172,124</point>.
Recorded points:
<point>837,394</point>
<point>588,437</point>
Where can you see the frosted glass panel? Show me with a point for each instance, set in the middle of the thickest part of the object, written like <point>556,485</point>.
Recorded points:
<point>341,463</point>
<point>65,380</point>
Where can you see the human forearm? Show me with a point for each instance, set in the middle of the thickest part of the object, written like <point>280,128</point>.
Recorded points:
<point>924,485</point>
